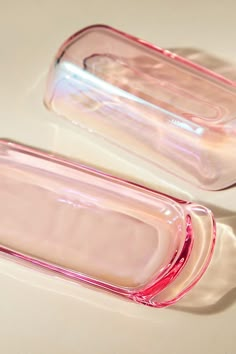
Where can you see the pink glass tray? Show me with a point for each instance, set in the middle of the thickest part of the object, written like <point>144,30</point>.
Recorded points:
<point>149,101</point>
<point>101,230</point>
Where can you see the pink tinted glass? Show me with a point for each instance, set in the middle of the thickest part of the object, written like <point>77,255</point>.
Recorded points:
<point>149,101</point>
<point>99,229</point>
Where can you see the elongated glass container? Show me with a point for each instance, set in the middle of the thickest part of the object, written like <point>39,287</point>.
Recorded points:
<point>148,101</point>
<point>100,230</point>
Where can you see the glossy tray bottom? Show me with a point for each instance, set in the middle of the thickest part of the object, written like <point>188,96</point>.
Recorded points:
<point>98,229</point>
<point>147,101</point>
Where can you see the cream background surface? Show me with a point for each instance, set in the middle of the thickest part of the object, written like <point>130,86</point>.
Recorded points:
<point>41,313</point>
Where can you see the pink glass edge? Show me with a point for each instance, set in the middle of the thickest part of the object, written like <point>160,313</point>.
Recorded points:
<point>209,74</point>
<point>77,165</point>
<point>149,45</point>
<point>196,280</point>
<point>57,158</point>
<point>144,296</point>
<point>137,296</point>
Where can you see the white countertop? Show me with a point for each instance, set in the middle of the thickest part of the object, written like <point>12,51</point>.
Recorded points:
<point>41,313</point>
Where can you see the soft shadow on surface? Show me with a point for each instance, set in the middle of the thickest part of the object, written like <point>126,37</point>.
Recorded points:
<point>213,294</point>
<point>226,301</point>
<point>209,61</point>
<point>219,213</point>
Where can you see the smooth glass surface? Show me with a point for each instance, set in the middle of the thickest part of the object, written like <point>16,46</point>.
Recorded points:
<point>99,229</point>
<point>151,102</point>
